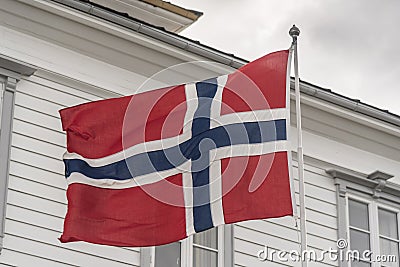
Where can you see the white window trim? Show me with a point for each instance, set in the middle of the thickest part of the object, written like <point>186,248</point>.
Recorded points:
<point>188,244</point>
<point>225,250</point>
<point>11,72</point>
<point>372,188</point>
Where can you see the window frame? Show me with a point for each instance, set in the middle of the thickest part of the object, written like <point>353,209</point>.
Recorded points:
<point>225,249</point>
<point>188,245</point>
<point>374,204</point>
<point>372,189</point>
<point>371,226</point>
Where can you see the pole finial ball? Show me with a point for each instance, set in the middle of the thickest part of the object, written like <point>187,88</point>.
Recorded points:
<point>294,31</point>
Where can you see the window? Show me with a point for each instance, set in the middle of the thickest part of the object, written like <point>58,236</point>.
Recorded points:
<point>212,248</point>
<point>205,248</point>
<point>368,218</point>
<point>202,249</point>
<point>373,226</point>
<point>359,229</point>
<point>388,234</point>
<point>168,255</point>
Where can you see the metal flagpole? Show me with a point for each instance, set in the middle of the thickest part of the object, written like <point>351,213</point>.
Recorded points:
<point>295,32</point>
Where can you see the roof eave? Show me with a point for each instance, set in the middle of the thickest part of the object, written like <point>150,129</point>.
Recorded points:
<point>187,13</point>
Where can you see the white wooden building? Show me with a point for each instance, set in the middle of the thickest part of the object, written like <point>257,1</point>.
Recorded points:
<point>59,53</point>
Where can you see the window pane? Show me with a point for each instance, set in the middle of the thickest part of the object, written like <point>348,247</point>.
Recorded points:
<point>358,213</point>
<point>207,238</point>
<point>388,223</point>
<point>202,258</point>
<point>168,255</point>
<point>359,241</point>
<point>389,248</point>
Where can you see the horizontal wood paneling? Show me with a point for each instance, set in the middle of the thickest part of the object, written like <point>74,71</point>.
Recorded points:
<point>58,90</point>
<point>274,244</point>
<point>60,253</point>
<point>36,203</point>
<point>39,175</point>
<point>40,146</point>
<point>242,259</point>
<point>34,217</point>
<point>79,251</point>
<point>281,234</point>
<point>38,189</point>
<point>38,104</point>
<point>55,137</point>
<point>36,196</point>
<point>322,219</point>
<point>53,92</point>
<point>37,118</point>
<point>34,159</point>
<point>23,259</point>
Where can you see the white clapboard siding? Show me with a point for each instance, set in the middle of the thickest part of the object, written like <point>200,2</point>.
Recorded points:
<point>58,254</point>
<point>322,219</point>
<point>78,251</point>
<point>20,259</point>
<point>52,136</point>
<point>35,159</point>
<point>31,187</point>
<point>54,92</point>
<point>37,218</point>
<point>317,192</point>
<point>38,175</point>
<point>251,246</point>
<point>329,233</point>
<point>281,234</point>
<point>246,260</point>
<point>246,247</point>
<point>37,118</point>
<point>318,205</point>
<point>38,104</point>
<point>36,203</point>
<point>41,146</point>
<point>6,265</point>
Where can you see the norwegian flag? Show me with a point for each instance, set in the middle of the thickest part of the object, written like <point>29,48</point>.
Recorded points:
<point>156,167</point>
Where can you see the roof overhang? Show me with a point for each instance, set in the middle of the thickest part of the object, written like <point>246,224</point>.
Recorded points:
<point>155,12</point>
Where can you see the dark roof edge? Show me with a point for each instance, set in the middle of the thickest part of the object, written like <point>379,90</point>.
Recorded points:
<point>155,32</point>
<point>349,103</point>
<point>188,13</point>
<point>233,61</point>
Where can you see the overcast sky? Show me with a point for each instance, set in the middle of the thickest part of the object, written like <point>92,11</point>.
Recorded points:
<point>350,47</point>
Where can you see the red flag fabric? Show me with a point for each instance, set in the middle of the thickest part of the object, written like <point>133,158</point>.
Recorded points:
<point>156,167</point>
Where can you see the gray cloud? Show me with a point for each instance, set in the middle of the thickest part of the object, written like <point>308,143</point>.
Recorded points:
<point>350,47</point>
